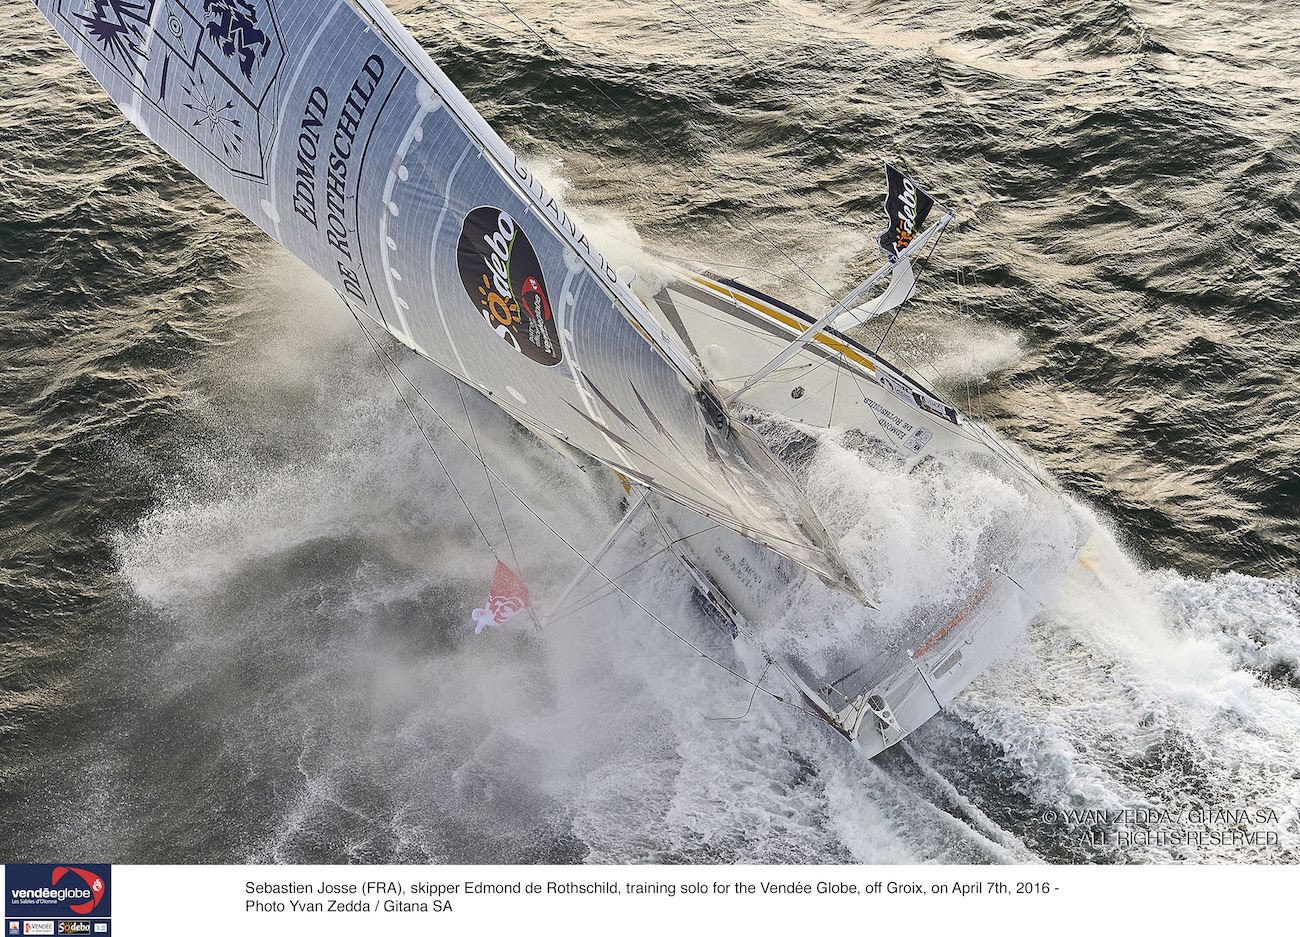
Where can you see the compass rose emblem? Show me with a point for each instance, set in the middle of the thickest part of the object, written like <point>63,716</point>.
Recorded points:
<point>209,111</point>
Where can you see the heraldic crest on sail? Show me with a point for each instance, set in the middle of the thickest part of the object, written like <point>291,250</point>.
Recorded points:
<point>325,123</point>
<point>206,66</point>
<point>232,26</point>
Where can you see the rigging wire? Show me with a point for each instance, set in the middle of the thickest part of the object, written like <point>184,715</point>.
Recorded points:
<point>664,148</point>
<point>386,359</point>
<point>752,696</point>
<point>378,353</point>
<point>835,394</point>
<point>707,28</point>
<point>514,558</point>
<point>599,595</point>
<point>925,262</point>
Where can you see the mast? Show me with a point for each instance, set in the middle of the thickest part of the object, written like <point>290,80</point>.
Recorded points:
<point>328,126</point>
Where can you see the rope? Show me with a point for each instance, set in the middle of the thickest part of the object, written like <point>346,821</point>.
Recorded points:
<point>752,697</point>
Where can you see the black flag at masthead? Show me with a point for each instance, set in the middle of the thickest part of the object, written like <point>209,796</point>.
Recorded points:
<point>907,207</point>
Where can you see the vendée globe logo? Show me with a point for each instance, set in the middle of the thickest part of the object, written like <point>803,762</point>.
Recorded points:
<point>55,890</point>
<point>93,882</point>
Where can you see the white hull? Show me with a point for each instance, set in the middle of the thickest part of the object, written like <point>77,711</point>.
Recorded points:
<point>328,126</point>
<point>886,678</point>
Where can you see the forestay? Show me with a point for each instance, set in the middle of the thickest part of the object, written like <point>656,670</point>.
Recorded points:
<point>327,125</point>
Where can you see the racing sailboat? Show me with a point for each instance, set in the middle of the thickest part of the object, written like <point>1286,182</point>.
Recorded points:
<point>326,124</point>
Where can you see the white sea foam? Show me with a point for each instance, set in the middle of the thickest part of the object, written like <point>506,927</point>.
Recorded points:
<point>610,232</point>
<point>317,571</point>
<point>1139,690</point>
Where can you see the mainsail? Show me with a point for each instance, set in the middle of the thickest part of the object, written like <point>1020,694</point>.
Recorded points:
<point>327,125</point>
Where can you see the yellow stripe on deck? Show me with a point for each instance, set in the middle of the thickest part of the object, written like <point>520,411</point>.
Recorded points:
<point>791,322</point>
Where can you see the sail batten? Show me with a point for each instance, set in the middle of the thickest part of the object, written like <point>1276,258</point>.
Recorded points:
<point>330,128</point>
